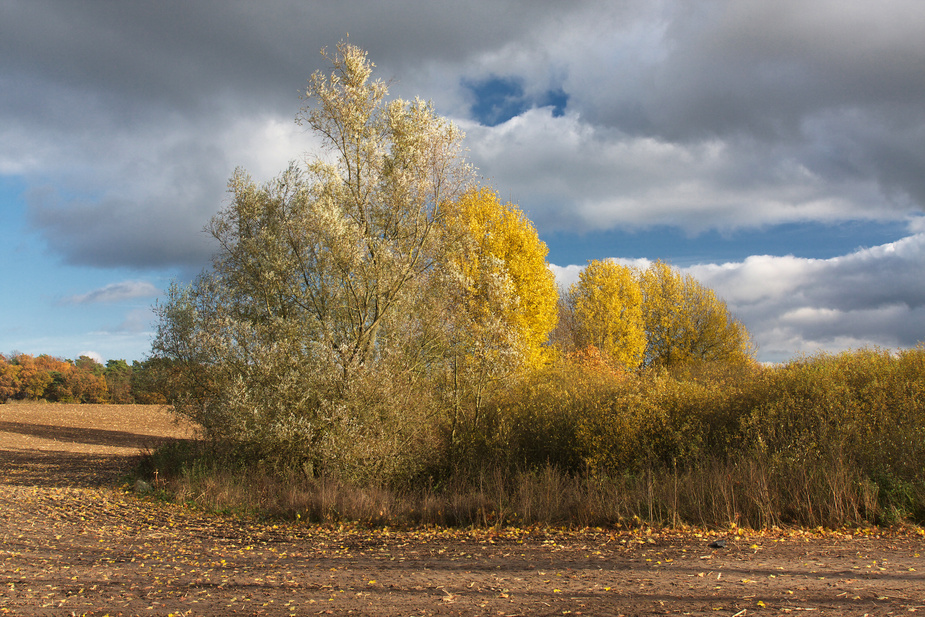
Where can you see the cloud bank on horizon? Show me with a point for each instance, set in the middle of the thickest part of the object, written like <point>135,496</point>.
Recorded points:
<point>629,122</point>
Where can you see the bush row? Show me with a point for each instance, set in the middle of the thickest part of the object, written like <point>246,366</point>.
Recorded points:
<point>823,440</point>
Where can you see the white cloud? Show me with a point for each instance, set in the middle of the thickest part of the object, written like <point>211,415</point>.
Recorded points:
<point>566,276</point>
<point>116,292</point>
<point>93,356</point>
<point>576,176</point>
<point>137,321</point>
<point>871,297</point>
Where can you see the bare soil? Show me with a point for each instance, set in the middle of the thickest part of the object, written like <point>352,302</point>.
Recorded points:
<point>76,542</point>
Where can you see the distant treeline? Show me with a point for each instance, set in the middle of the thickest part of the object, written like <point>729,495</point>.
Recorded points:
<point>84,380</point>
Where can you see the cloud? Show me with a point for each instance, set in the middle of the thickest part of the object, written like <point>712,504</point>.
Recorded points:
<point>137,321</point>
<point>573,176</point>
<point>96,357</point>
<point>718,115</point>
<point>125,121</point>
<point>143,201</point>
<point>115,293</point>
<point>870,297</point>
<point>566,276</point>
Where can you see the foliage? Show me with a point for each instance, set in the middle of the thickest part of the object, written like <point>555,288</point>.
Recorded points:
<point>375,320</point>
<point>44,377</point>
<point>607,305</point>
<point>825,440</point>
<point>865,406</point>
<point>501,264</point>
<point>685,322</point>
<point>10,383</point>
<point>118,375</point>
<point>320,282</point>
<point>501,303</point>
<point>368,231</point>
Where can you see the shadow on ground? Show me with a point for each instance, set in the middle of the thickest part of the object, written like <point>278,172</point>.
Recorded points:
<point>63,469</point>
<point>92,436</point>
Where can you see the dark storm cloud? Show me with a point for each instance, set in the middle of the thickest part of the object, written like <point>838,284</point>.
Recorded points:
<point>836,87</point>
<point>187,54</point>
<point>112,234</point>
<point>127,118</point>
<point>124,120</point>
<point>145,209</point>
<point>765,67</point>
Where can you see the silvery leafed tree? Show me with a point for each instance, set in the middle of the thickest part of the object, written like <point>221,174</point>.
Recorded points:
<point>322,273</point>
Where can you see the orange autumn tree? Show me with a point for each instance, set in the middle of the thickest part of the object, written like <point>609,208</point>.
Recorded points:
<point>34,378</point>
<point>9,379</point>
<point>46,377</point>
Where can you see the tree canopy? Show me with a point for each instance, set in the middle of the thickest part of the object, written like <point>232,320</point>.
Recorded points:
<point>607,303</point>
<point>378,262</point>
<point>501,264</point>
<point>685,322</point>
<point>361,305</point>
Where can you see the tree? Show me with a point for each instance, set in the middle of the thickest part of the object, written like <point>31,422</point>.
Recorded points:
<point>150,380</point>
<point>34,379</point>
<point>118,375</point>
<point>500,263</point>
<point>380,204</point>
<point>502,297</point>
<point>320,272</point>
<point>686,323</point>
<point>607,304</point>
<point>10,384</point>
<point>90,366</point>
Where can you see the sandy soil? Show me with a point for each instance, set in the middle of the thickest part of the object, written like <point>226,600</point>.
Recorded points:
<point>74,542</point>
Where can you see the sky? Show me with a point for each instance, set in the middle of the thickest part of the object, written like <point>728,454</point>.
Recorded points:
<point>773,149</point>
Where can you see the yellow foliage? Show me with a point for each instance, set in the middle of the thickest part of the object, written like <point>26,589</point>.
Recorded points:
<point>685,322</point>
<point>502,264</point>
<point>608,307</point>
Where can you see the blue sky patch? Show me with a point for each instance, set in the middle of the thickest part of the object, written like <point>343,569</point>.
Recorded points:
<point>498,99</point>
<point>806,240</point>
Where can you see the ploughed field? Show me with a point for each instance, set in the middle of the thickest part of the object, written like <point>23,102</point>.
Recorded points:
<point>75,540</point>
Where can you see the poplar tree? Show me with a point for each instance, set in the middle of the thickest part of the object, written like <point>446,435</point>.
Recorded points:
<point>503,296</point>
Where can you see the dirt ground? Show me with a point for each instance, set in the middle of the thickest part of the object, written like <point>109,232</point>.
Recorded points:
<point>75,542</point>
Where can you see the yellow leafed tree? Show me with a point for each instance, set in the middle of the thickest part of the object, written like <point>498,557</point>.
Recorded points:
<point>607,303</point>
<point>510,293</point>
<point>685,322</point>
